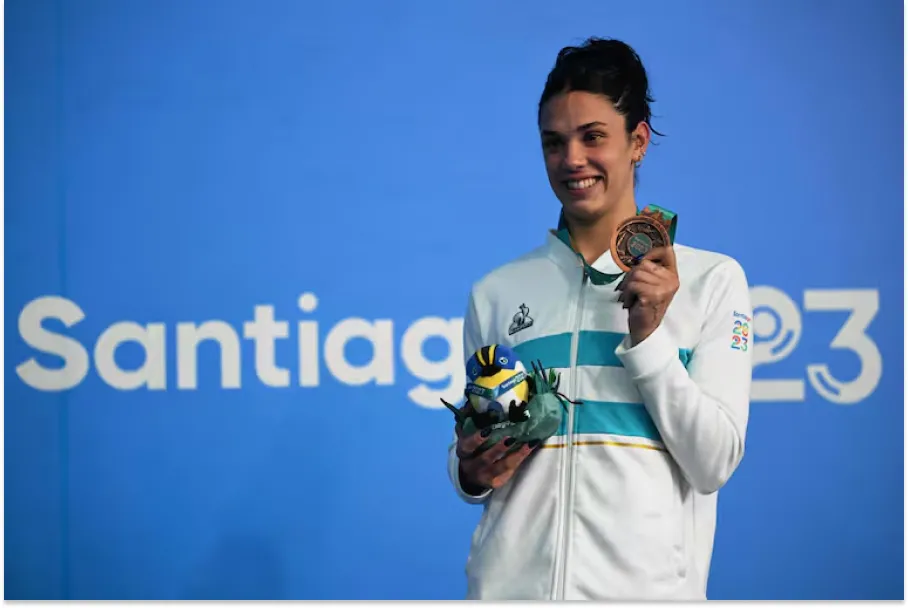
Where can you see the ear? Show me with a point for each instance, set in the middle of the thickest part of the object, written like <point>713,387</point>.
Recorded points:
<point>640,138</point>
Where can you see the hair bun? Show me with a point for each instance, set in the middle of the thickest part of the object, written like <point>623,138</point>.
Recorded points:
<point>605,66</point>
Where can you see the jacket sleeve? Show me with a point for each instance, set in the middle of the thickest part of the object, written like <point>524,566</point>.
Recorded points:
<point>472,340</point>
<point>701,411</point>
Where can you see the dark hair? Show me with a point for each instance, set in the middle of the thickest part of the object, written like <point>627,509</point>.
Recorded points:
<point>607,67</point>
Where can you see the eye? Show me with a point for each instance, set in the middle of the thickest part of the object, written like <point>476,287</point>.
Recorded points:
<point>551,143</point>
<point>503,360</point>
<point>595,136</point>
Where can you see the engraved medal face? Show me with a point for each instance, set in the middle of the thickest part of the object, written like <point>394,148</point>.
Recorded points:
<point>635,237</point>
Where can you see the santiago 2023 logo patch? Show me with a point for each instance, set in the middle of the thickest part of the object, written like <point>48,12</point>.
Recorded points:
<point>740,333</point>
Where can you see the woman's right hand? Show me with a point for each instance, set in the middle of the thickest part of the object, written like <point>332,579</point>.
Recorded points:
<point>491,468</point>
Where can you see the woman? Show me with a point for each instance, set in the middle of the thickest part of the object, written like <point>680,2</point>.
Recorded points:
<point>621,502</point>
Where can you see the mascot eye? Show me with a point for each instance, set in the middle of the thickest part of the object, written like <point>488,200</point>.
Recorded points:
<point>503,360</point>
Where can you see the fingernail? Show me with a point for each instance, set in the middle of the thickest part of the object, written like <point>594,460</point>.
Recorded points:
<point>509,442</point>
<point>486,432</point>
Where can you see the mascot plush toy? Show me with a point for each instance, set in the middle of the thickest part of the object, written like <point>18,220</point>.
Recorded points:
<point>503,395</point>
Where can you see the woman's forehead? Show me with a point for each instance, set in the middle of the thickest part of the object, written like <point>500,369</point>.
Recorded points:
<point>577,110</point>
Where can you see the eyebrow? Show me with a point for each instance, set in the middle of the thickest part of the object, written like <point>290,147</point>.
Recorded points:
<point>584,127</point>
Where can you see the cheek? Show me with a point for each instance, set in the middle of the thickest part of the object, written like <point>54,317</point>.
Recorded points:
<point>613,162</point>
<point>552,165</point>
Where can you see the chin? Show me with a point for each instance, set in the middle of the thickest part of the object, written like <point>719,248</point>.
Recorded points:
<point>584,210</point>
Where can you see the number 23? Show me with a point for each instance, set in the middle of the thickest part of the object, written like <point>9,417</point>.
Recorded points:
<point>740,333</point>
<point>861,306</point>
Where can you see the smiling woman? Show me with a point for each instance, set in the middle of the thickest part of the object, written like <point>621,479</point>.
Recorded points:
<point>621,502</point>
<point>594,119</point>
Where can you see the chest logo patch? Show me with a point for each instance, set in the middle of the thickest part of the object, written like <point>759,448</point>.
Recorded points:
<point>521,320</point>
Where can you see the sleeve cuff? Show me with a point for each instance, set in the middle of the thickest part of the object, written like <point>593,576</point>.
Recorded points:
<point>648,357</point>
<point>454,472</point>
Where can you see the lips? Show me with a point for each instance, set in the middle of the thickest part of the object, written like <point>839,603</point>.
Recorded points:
<point>582,184</point>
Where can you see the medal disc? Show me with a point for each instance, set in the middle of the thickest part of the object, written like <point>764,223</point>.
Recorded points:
<point>635,237</point>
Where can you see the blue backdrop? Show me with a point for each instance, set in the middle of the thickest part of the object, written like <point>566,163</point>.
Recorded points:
<point>296,182</point>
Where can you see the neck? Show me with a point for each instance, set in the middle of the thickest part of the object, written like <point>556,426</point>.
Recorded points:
<point>592,238</point>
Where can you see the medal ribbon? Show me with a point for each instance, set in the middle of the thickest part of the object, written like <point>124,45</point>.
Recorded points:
<point>668,218</point>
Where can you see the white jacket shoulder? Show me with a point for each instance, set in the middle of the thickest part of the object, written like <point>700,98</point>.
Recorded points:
<point>520,269</point>
<point>701,266</point>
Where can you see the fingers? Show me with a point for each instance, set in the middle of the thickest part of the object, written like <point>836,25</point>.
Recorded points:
<point>636,292</point>
<point>640,280</point>
<point>646,282</point>
<point>647,272</point>
<point>649,268</point>
<point>500,470</point>
<point>495,466</point>
<point>509,463</point>
<point>467,445</point>
<point>645,294</point>
<point>662,256</point>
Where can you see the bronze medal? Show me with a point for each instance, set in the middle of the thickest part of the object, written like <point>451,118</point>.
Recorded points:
<point>635,237</point>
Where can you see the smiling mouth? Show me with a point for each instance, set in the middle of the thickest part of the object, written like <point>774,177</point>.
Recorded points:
<point>582,184</point>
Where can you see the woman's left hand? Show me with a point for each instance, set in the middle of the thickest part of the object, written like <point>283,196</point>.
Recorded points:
<point>647,290</point>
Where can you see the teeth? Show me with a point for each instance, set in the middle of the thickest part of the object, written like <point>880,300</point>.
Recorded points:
<point>582,184</point>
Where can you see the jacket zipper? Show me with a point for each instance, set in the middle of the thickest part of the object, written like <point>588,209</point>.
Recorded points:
<point>568,459</point>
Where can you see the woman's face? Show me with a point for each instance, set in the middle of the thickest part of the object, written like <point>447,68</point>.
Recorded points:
<point>589,156</point>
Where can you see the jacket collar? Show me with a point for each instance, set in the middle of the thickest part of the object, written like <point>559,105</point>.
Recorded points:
<point>602,271</point>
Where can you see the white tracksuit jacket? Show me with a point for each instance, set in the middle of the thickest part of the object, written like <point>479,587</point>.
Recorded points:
<point>621,502</point>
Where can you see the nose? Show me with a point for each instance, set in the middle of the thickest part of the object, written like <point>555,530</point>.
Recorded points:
<point>574,155</point>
